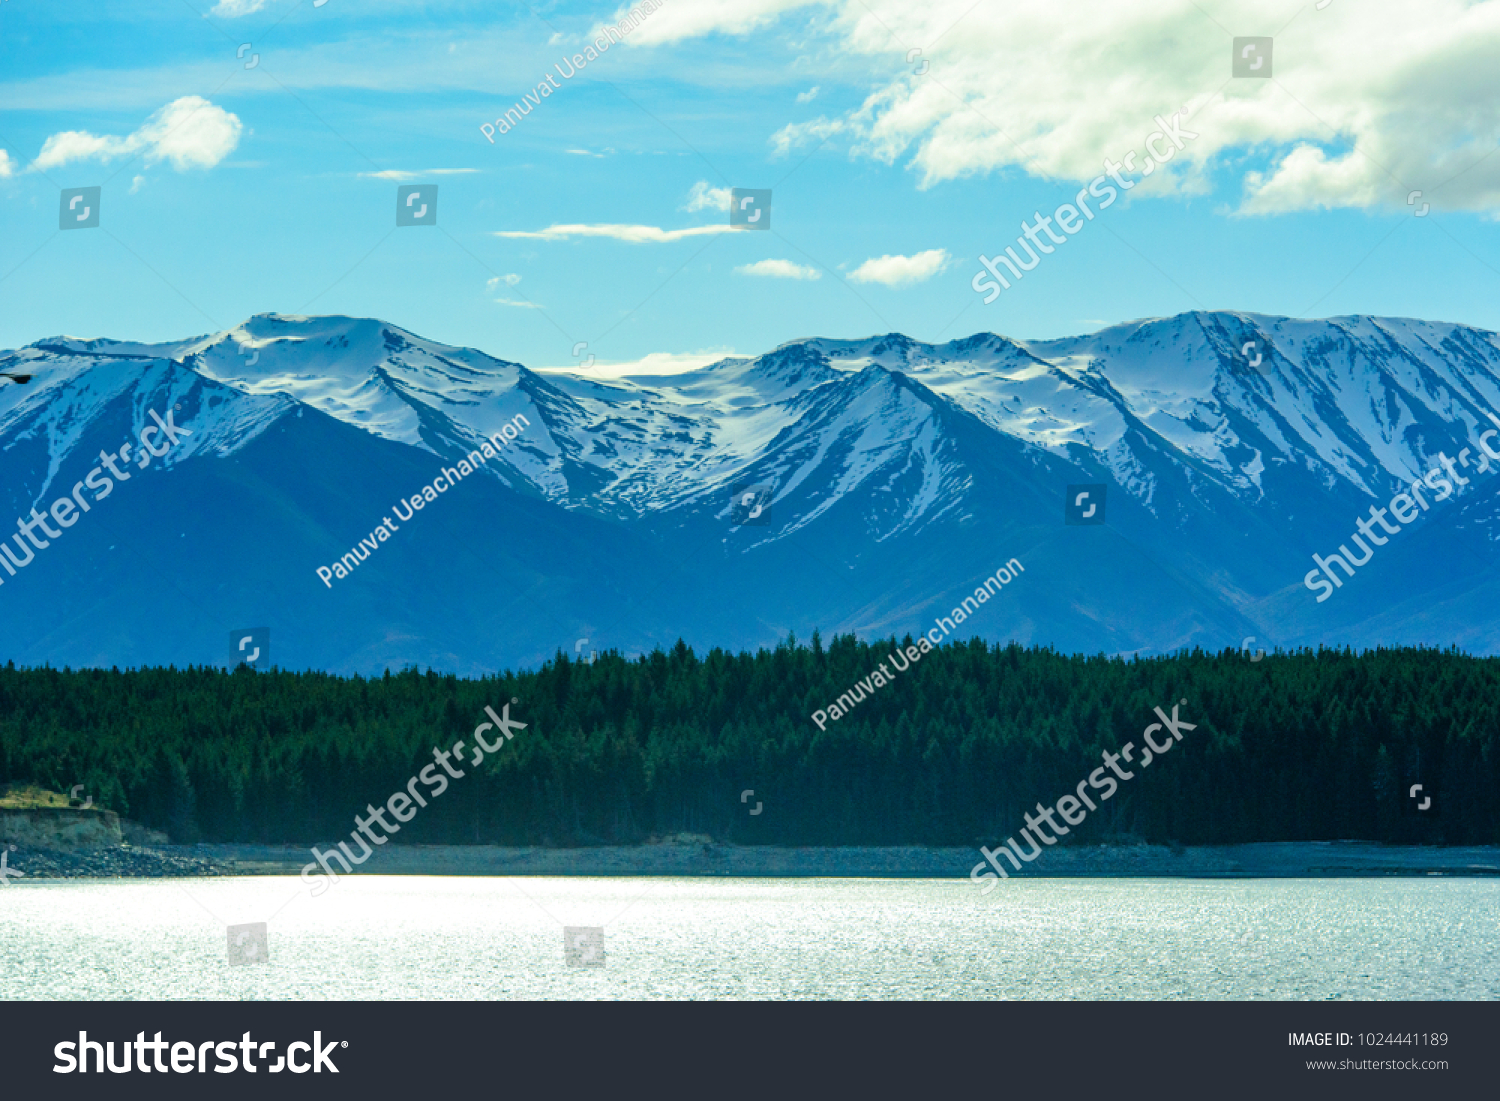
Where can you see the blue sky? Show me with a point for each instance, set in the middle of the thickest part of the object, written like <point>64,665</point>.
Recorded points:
<point>230,191</point>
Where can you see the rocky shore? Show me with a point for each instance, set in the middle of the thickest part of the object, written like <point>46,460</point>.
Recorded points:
<point>114,862</point>
<point>703,857</point>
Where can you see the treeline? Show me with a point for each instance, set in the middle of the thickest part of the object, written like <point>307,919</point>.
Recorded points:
<point>1309,745</point>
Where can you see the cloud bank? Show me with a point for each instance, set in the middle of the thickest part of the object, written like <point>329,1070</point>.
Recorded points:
<point>1367,100</point>
<point>189,132</point>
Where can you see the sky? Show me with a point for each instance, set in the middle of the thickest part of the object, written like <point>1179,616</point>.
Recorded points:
<point>249,155</point>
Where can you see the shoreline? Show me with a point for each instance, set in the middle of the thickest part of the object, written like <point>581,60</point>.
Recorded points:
<point>1260,860</point>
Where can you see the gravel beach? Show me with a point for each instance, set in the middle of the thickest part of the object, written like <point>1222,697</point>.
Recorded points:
<point>1289,859</point>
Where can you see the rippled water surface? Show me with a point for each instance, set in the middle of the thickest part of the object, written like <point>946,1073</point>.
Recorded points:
<point>471,937</point>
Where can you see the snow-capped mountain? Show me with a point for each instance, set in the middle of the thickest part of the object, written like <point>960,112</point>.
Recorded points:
<point>898,474</point>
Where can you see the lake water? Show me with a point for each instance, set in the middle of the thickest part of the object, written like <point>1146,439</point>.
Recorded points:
<point>374,937</point>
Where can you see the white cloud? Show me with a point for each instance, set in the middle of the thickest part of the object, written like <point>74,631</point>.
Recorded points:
<point>675,22</point>
<point>654,363</point>
<point>190,132</point>
<point>627,32</point>
<point>636,235</point>
<point>801,133</point>
<point>608,152</point>
<point>703,197</point>
<point>136,184</point>
<point>509,279</point>
<point>1364,104</point>
<point>401,175</point>
<point>1307,179</point>
<point>779,269</point>
<point>901,271</point>
<point>809,95</point>
<point>233,9</point>
<point>7,166</point>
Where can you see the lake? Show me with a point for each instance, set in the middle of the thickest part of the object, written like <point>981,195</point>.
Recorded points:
<point>467,937</point>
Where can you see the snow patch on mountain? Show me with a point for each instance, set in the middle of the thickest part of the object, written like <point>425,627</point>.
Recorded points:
<point>1355,401</point>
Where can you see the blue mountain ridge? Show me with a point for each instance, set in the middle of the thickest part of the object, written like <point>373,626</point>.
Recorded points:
<point>899,475</point>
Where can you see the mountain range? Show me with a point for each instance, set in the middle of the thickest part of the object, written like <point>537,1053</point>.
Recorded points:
<point>860,486</point>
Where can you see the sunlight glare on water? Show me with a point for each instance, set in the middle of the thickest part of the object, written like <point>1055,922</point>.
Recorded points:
<point>374,937</point>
